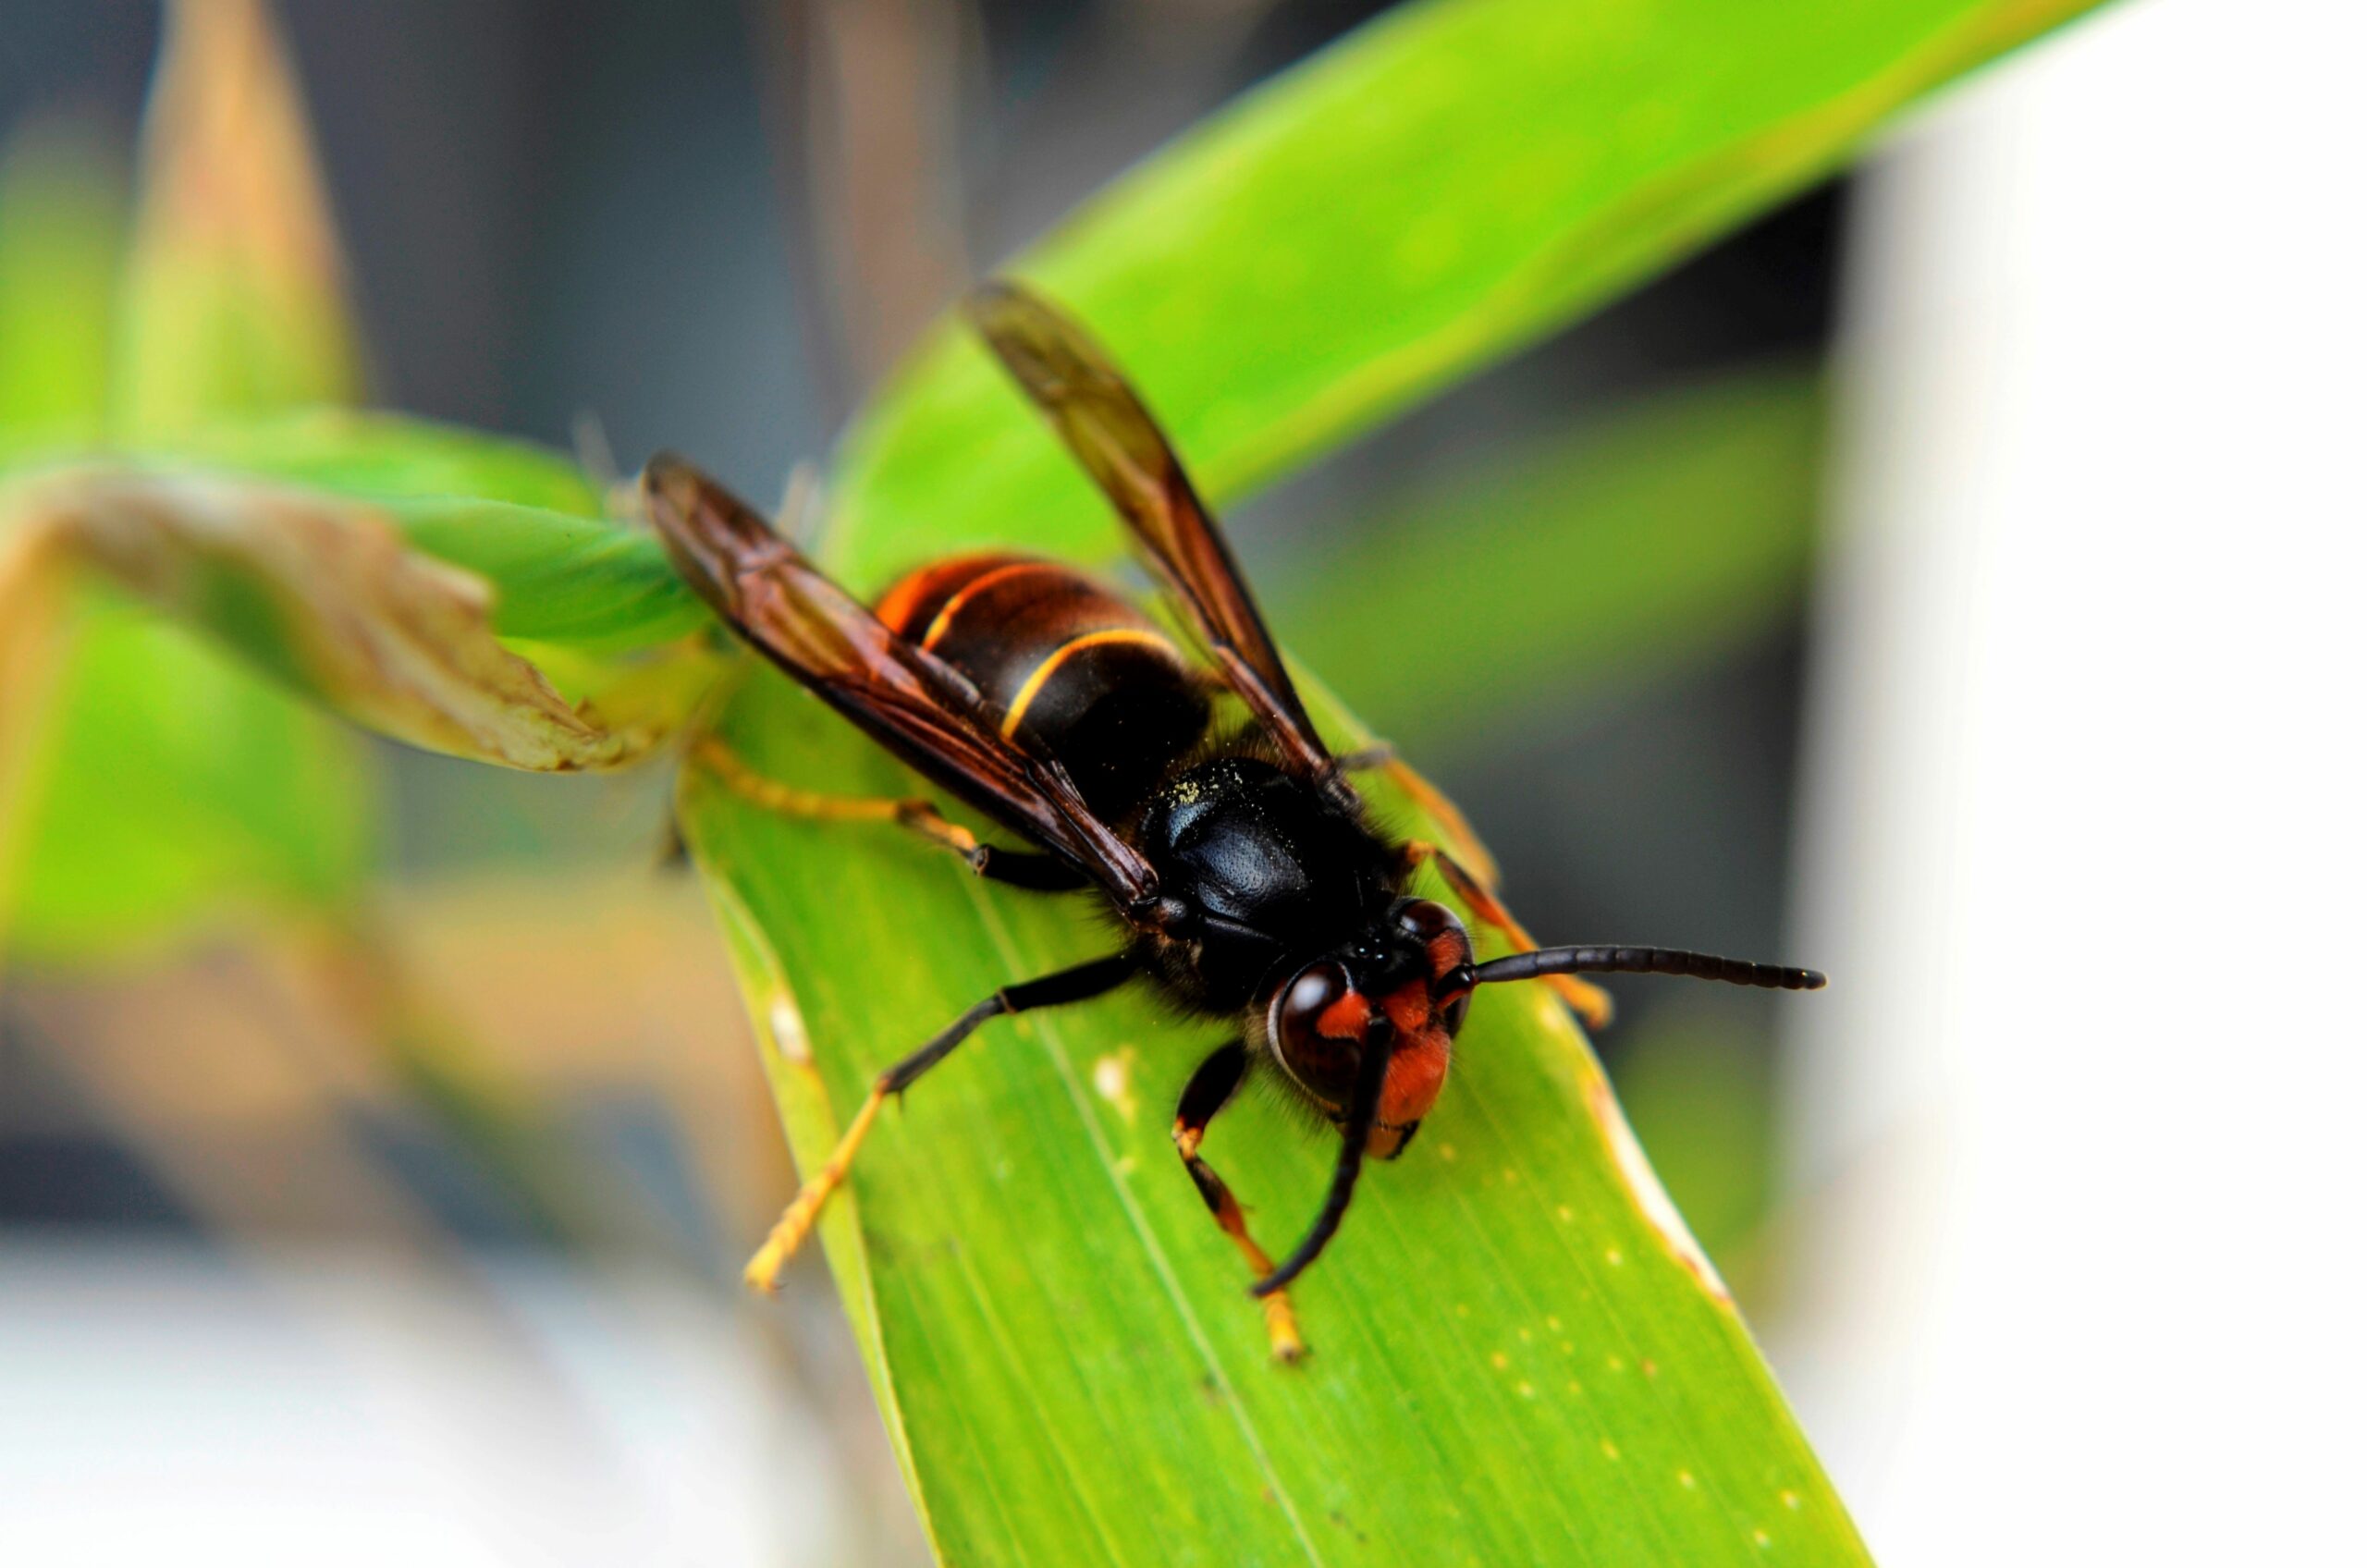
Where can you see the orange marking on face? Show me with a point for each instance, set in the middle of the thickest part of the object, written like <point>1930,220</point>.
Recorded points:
<point>1344,1019</point>
<point>1416,1073</point>
<point>1410,1007</point>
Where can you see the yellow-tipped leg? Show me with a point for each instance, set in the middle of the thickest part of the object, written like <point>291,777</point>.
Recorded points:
<point>1072,984</point>
<point>1282,1327</point>
<point>797,1220</point>
<point>1282,1323</point>
<point>1591,1003</point>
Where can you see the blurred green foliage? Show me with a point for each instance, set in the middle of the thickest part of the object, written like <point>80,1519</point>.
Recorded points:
<point>154,784</point>
<point>180,791</point>
<point>1677,530</point>
<point>61,235</point>
<point>1695,1082</point>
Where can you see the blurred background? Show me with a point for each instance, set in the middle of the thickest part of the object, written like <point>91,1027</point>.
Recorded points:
<point>1942,581</point>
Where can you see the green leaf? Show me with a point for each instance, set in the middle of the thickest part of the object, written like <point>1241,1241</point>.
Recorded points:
<point>1518,1354</point>
<point>1677,530</point>
<point>588,584</point>
<point>1445,186</point>
<point>176,788</point>
<point>525,519</point>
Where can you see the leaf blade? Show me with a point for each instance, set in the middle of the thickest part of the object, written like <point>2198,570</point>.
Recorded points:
<point>1027,1287</point>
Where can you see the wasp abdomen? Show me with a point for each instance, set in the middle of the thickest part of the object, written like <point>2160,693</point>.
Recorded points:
<point>1075,667</point>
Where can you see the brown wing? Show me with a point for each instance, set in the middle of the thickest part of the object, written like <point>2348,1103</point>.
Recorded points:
<point>903,696</point>
<point>1113,435</point>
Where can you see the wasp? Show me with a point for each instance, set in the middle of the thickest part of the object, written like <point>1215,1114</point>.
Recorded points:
<point>1249,881</point>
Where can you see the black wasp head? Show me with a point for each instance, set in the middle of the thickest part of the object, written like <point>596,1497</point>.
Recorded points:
<point>1401,985</point>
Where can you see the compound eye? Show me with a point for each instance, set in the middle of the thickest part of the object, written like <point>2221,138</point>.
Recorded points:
<point>1318,1026</point>
<point>1313,1000</point>
<point>1424,919</point>
<point>1448,948</point>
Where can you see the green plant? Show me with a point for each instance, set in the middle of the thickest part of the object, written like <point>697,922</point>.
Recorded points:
<point>1521,1355</point>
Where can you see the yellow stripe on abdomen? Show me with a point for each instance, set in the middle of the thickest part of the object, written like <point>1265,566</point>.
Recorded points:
<point>945,617</point>
<point>1139,636</point>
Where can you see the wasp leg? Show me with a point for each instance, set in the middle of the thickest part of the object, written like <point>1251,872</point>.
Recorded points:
<point>1590,1002</point>
<point>1204,1095</point>
<point>1066,986</point>
<point>1431,802</point>
<point>1020,868</point>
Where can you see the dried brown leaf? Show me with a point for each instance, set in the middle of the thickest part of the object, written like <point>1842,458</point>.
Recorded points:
<point>323,592</point>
